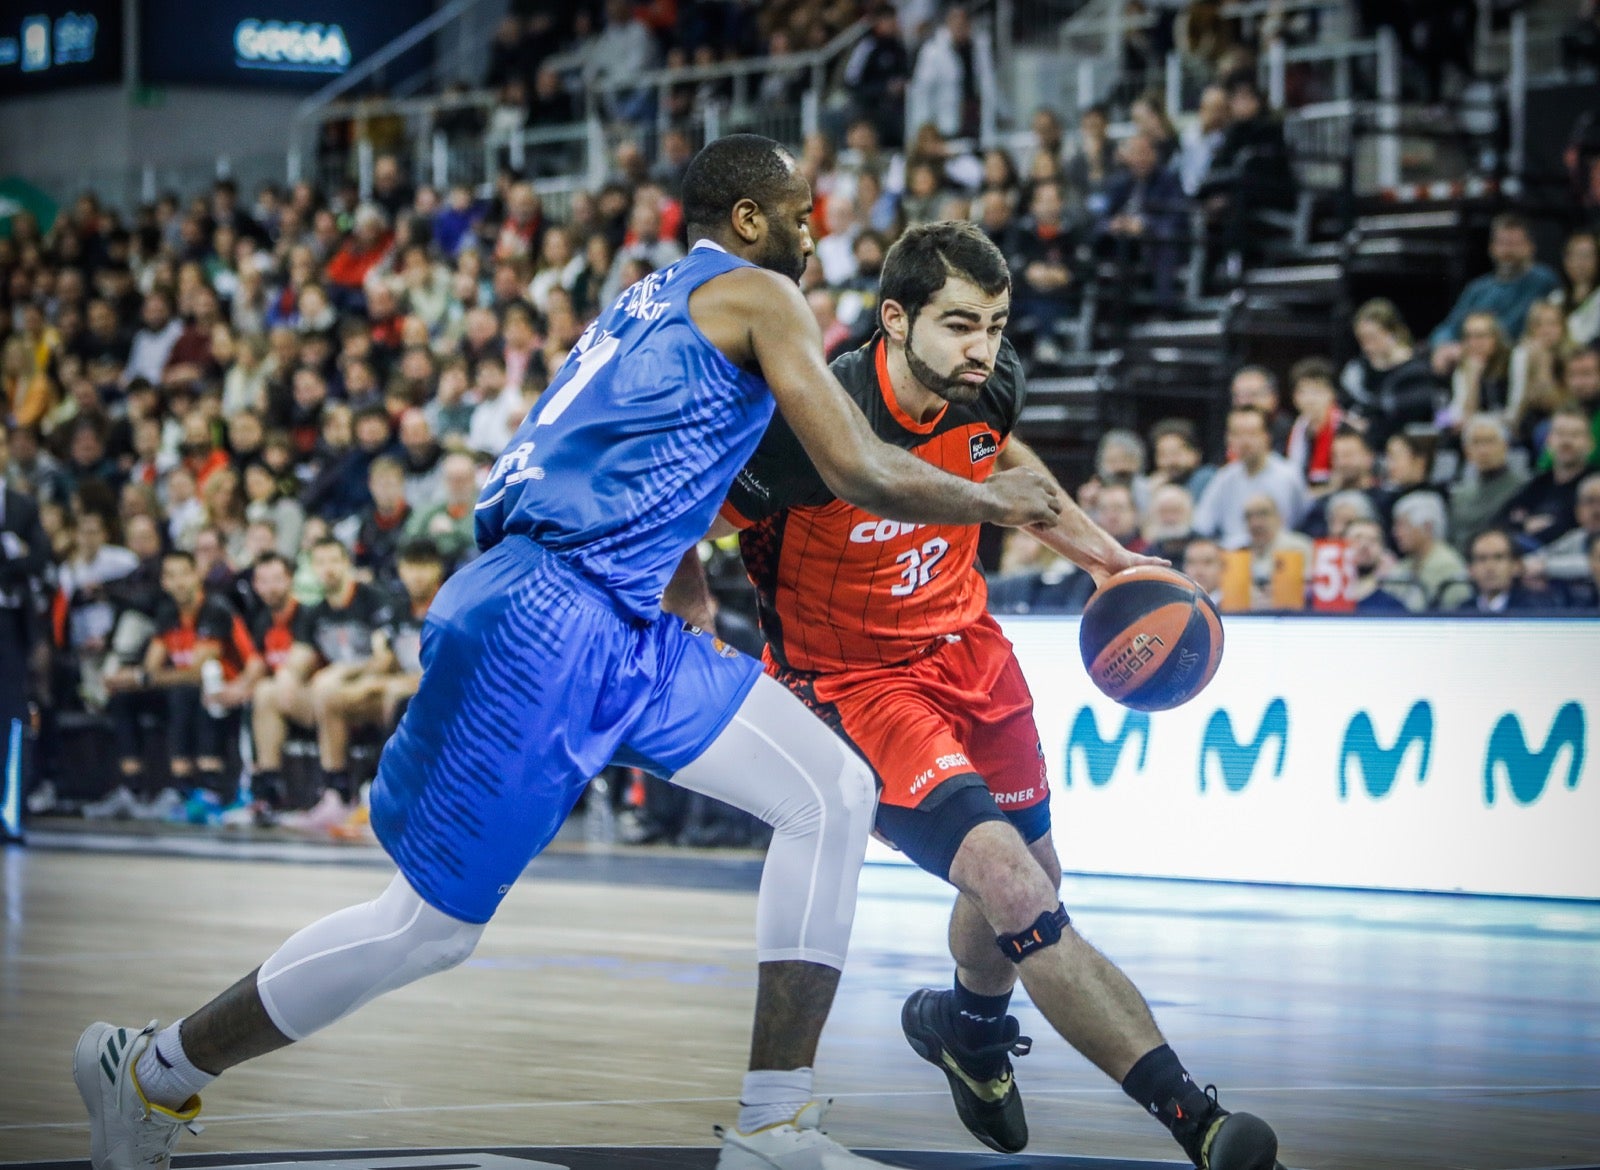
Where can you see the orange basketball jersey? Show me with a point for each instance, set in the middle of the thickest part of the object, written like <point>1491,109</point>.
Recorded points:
<point>841,589</point>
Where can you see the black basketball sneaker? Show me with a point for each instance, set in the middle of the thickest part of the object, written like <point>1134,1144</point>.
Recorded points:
<point>1215,1139</point>
<point>987,1101</point>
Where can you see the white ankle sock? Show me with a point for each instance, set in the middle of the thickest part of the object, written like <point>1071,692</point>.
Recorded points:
<point>165,1073</point>
<point>772,1096</point>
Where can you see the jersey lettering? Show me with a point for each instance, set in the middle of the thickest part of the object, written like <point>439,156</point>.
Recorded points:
<point>879,531</point>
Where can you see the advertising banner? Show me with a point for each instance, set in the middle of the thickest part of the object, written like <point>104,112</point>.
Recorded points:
<point>1409,754</point>
<point>300,44</point>
<point>53,44</point>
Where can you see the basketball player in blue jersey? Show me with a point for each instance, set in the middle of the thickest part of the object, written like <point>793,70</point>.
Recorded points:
<point>549,656</point>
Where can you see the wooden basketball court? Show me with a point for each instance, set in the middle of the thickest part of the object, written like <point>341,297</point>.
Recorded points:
<point>609,1005</point>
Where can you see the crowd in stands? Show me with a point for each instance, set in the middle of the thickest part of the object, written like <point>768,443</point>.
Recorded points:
<point>1461,474</point>
<point>255,429</point>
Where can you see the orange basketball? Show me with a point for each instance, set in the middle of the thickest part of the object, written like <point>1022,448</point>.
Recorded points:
<point>1151,639</point>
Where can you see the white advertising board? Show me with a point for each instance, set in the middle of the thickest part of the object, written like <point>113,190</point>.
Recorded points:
<point>1412,754</point>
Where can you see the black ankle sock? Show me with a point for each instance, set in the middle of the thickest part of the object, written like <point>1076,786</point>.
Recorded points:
<point>267,785</point>
<point>979,1020</point>
<point>1160,1085</point>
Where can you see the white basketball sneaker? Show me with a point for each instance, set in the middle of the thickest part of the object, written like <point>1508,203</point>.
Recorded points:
<point>798,1144</point>
<point>126,1132</point>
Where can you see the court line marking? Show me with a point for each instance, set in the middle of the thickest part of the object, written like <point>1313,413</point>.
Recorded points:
<point>503,1106</point>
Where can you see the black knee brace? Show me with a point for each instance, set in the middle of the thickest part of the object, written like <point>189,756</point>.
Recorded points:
<point>1045,932</point>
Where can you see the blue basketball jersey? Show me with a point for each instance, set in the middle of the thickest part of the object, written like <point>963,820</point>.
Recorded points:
<point>624,462</point>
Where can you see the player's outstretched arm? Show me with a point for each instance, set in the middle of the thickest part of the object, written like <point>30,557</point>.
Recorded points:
<point>858,467</point>
<point>1072,533</point>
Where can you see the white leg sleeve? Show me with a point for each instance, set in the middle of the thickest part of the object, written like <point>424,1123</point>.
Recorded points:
<point>779,762</point>
<point>335,965</point>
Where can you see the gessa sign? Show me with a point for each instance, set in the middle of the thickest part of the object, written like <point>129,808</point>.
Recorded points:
<point>279,43</point>
<point>1415,754</point>
<point>306,48</point>
<point>46,46</point>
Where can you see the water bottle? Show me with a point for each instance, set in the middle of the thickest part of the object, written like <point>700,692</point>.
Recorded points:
<point>599,822</point>
<point>210,684</point>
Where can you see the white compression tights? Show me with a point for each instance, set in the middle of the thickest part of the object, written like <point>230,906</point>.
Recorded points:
<point>779,762</point>
<point>775,760</point>
<point>340,962</point>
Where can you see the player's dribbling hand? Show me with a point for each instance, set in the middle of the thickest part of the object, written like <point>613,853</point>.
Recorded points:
<point>1022,497</point>
<point>1123,559</point>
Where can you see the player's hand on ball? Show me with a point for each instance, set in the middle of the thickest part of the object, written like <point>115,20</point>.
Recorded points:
<point>1023,497</point>
<point>1120,560</point>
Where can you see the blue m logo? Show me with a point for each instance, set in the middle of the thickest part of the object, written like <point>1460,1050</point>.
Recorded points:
<point>1100,755</point>
<point>1528,771</point>
<point>1238,761</point>
<point>1380,765</point>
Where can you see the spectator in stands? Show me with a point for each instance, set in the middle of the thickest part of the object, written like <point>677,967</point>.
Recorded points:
<point>1119,459</point>
<point>954,79</point>
<point>1310,446</point>
<point>559,264</point>
<point>1178,457</point>
<point>1148,113</point>
<point>1169,522</point>
<point>1370,565</point>
<point>1546,507</point>
<point>1201,138</point>
<point>519,235</point>
<point>1249,173</point>
<point>1342,509</point>
<point>265,499</point>
<point>390,190</point>
<point>1427,562</point>
<point>420,455</point>
<point>1050,584</point>
<point>1115,511</point>
<point>508,53</point>
<point>1489,482</point>
<point>377,539</point>
<point>1145,216</point>
<point>358,256</point>
<point>456,222</point>
<point>1352,470</point>
<point>1203,563</point>
<point>1564,561</point>
<point>1482,376</point>
<point>448,525</point>
<point>368,693</point>
<point>84,611</point>
<point>335,633</point>
<point>1495,568</point>
<point>1256,469</point>
<point>1408,464</point>
<point>1049,138</point>
<point>1042,266</point>
<point>152,345</point>
<point>1257,386</point>
<point>1578,297</point>
<point>1581,376</point>
<point>191,630</point>
<point>1087,170</point>
<point>622,51</point>
<point>1279,558</point>
<point>1534,374</point>
<point>1518,280</point>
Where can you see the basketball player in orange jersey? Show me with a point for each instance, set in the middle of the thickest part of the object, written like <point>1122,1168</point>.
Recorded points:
<point>881,628</point>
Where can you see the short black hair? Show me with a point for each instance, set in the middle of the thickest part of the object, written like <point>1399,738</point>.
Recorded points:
<point>1504,534</point>
<point>420,551</point>
<point>928,255</point>
<point>739,166</point>
<point>334,542</point>
<point>175,554</point>
<point>1313,369</point>
<point>270,558</point>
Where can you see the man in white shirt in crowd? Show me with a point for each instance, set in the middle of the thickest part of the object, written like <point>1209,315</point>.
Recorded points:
<point>1255,470</point>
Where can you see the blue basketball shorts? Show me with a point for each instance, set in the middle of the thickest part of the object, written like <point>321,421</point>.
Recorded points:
<point>532,682</point>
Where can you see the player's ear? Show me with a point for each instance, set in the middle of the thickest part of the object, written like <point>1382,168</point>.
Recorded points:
<point>749,222</point>
<point>896,324</point>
